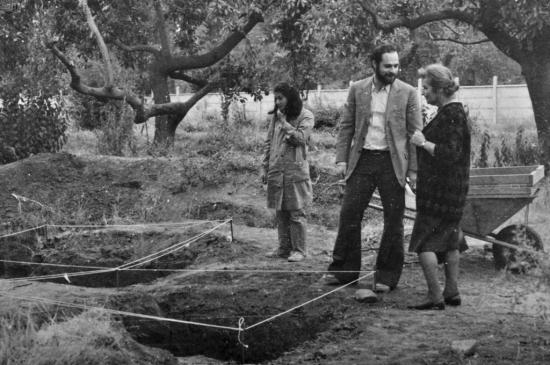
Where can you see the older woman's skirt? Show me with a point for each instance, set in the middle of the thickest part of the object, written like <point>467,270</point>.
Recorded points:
<point>438,235</point>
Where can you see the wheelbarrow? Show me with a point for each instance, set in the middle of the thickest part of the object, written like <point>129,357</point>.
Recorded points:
<point>495,195</point>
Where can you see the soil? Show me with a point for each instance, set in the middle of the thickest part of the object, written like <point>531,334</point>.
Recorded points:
<point>223,277</point>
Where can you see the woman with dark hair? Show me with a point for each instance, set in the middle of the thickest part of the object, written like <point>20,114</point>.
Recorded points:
<point>443,153</point>
<point>286,171</point>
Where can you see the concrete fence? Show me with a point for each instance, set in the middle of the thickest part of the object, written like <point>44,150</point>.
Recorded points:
<point>489,104</point>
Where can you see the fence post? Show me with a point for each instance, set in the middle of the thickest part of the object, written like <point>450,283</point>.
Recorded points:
<point>458,96</point>
<point>318,94</point>
<point>495,99</point>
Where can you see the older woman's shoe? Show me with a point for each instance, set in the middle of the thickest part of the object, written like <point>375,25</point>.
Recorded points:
<point>428,306</point>
<point>453,301</point>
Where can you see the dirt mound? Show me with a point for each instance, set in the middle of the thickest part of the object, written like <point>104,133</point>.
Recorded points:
<point>64,185</point>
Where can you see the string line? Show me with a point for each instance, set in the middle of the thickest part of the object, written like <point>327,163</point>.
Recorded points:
<point>308,302</point>
<point>141,261</point>
<point>114,311</point>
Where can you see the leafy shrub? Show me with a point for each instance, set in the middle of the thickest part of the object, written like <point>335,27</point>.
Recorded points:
<point>503,154</point>
<point>483,159</point>
<point>89,112</point>
<point>116,130</point>
<point>523,151</point>
<point>527,151</point>
<point>326,116</point>
<point>30,124</point>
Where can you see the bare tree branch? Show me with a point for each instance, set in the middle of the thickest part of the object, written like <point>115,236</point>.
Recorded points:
<point>217,53</point>
<point>179,75</point>
<point>413,23</point>
<point>451,28</point>
<point>464,43</point>
<point>98,92</point>
<point>482,20</point>
<point>136,48</point>
<point>181,108</point>
<point>101,43</point>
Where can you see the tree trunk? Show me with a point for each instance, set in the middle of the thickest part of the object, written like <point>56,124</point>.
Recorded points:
<point>164,132</point>
<point>537,76</point>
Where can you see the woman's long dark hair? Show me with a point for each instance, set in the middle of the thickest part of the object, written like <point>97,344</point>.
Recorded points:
<point>294,101</point>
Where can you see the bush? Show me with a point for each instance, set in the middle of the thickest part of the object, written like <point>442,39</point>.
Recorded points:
<point>115,134</point>
<point>30,124</point>
<point>523,151</point>
<point>483,159</point>
<point>89,112</point>
<point>326,116</point>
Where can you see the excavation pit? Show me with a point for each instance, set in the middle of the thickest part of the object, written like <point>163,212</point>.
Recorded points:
<point>174,286</point>
<point>71,251</point>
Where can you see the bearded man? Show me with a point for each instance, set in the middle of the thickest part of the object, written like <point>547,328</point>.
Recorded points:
<point>373,151</point>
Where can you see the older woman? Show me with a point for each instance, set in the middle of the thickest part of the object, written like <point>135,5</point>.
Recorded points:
<point>443,152</point>
<point>286,171</point>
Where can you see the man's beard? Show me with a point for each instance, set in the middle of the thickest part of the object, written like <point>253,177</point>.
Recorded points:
<point>386,78</point>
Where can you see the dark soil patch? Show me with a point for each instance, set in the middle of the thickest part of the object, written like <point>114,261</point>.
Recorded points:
<point>221,299</point>
<point>92,250</point>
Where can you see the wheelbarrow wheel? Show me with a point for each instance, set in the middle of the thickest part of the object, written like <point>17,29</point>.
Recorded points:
<point>514,260</point>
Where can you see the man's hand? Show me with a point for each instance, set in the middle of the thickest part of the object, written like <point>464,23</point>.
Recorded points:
<point>411,180</point>
<point>341,168</point>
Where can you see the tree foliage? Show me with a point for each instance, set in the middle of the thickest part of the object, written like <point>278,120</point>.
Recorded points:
<point>161,40</point>
<point>30,124</point>
<point>32,118</point>
<point>520,29</point>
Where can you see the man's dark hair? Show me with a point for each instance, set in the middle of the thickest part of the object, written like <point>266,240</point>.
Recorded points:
<point>378,51</point>
<point>294,101</point>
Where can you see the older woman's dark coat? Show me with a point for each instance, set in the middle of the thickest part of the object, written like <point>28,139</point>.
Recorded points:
<point>442,183</point>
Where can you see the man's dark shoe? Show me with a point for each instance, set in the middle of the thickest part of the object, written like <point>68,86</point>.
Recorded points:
<point>453,301</point>
<point>330,279</point>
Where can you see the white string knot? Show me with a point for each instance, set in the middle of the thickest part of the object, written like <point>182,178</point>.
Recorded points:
<point>241,330</point>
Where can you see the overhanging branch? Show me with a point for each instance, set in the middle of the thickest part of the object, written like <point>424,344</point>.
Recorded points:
<point>179,75</point>
<point>217,53</point>
<point>101,93</point>
<point>483,21</point>
<point>415,22</point>
<point>464,43</point>
<point>180,108</point>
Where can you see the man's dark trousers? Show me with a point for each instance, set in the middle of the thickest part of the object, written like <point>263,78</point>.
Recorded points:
<point>374,170</point>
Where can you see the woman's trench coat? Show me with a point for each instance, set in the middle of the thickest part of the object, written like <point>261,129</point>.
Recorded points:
<point>285,161</point>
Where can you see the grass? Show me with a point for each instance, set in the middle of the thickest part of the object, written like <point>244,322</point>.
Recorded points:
<point>90,338</point>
